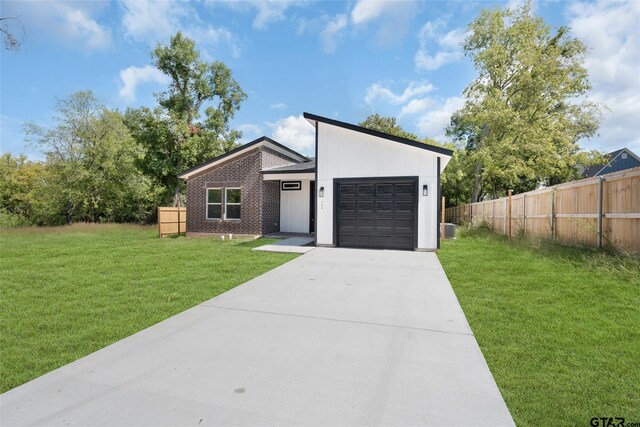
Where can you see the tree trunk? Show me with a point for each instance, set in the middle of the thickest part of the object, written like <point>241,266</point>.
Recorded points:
<point>176,195</point>
<point>477,183</point>
<point>69,213</point>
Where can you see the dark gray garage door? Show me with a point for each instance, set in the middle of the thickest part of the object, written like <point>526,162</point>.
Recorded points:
<point>377,213</point>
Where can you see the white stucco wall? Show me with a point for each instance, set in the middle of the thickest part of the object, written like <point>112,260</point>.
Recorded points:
<point>294,209</point>
<point>343,153</point>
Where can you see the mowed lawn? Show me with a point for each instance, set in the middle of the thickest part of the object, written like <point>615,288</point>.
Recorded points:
<point>559,327</point>
<point>69,291</point>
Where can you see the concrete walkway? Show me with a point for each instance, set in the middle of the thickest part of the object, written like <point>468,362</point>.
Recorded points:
<point>296,245</point>
<point>334,337</point>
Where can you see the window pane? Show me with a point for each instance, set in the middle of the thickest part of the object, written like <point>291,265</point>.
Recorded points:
<point>215,195</point>
<point>233,211</point>
<point>233,196</point>
<point>214,211</point>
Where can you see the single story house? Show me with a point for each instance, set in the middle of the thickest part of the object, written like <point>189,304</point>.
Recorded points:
<point>363,188</point>
<point>615,161</point>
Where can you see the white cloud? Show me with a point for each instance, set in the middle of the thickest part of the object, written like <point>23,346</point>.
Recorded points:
<point>133,76</point>
<point>269,12</point>
<point>611,31</point>
<point>433,123</point>
<point>332,32</point>
<point>156,21</point>
<point>149,19</point>
<point>80,26</point>
<point>250,132</point>
<point>295,132</point>
<point>379,92</point>
<point>278,106</point>
<point>416,106</point>
<point>438,48</point>
<point>70,23</point>
<point>366,10</point>
<point>210,35</point>
<point>392,17</point>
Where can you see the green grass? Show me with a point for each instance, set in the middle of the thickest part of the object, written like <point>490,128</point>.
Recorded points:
<point>68,291</point>
<point>559,327</point>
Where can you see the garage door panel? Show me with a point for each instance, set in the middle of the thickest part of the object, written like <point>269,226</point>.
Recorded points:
<point>365,190</point>
<point>384,190</point>
<point>404,190</point>
<point>347,190</point>
<point>405,206</point>
<point>384,206</point>
<point>347,207</point>
<point>377,214</point>
<point>365,206</point>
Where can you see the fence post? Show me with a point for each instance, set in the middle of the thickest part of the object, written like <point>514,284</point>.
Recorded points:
<point>159,229</point>
<point>553,214</point>
<point>509,213</point>
<point>178,218</point>
<point>493,214</point>
<point>524,213</point>
<point>600,185</point>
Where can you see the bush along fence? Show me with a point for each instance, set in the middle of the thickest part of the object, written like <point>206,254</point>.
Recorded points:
<point>172,220</point>
<point>599,212</point>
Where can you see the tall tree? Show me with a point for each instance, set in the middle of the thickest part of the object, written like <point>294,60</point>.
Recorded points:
<point>91,170</point>
<point>387,125</point>
<point>524,114</point>
<point>19,177</point>
<point>175,135</point>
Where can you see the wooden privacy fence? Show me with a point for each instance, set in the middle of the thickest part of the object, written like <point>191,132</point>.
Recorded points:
<point>597,212</point>
<point>171,221</point>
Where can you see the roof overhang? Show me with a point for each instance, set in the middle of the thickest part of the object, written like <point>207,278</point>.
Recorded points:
<point>262,141</point>
<point>289,176</point>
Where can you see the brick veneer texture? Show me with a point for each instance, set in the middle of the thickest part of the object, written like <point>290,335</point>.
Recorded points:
<point>260,200</point>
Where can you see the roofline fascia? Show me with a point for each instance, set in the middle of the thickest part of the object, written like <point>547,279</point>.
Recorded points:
<point>440,150</point>
<point>268,171</point>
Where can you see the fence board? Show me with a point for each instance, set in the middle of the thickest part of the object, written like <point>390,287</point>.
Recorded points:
<point>172,220</point>
<point>568,212</point>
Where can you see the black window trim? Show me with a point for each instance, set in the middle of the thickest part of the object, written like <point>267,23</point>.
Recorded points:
<point>298,183</point>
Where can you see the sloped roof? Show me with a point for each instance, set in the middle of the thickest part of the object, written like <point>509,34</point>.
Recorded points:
<point>293,155</point>
<point>305,167</point>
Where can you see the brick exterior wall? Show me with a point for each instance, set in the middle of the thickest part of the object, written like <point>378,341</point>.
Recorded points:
<point>260,200</point>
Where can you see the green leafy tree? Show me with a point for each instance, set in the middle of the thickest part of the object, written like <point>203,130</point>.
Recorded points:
<point>91,166</point>
<point>524,113</point>
<point>191,123</point>
<point>19,178</point>
<point>455,187</point>
<point>387,125</point>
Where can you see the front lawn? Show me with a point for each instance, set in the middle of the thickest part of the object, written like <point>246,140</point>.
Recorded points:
<point>559,327</point>
<point>66,292</point>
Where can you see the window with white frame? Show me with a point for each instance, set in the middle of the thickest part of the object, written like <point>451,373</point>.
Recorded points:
<point>232,201</point>
<point>214,203</point>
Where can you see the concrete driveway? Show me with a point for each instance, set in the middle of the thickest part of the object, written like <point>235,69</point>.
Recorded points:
<point>334,337</point>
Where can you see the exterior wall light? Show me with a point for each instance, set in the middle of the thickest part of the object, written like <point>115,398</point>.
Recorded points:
<point>321,192</point>
<point>425,190</point>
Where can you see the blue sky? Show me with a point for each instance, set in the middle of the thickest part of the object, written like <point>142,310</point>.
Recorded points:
<point>343,60</point>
